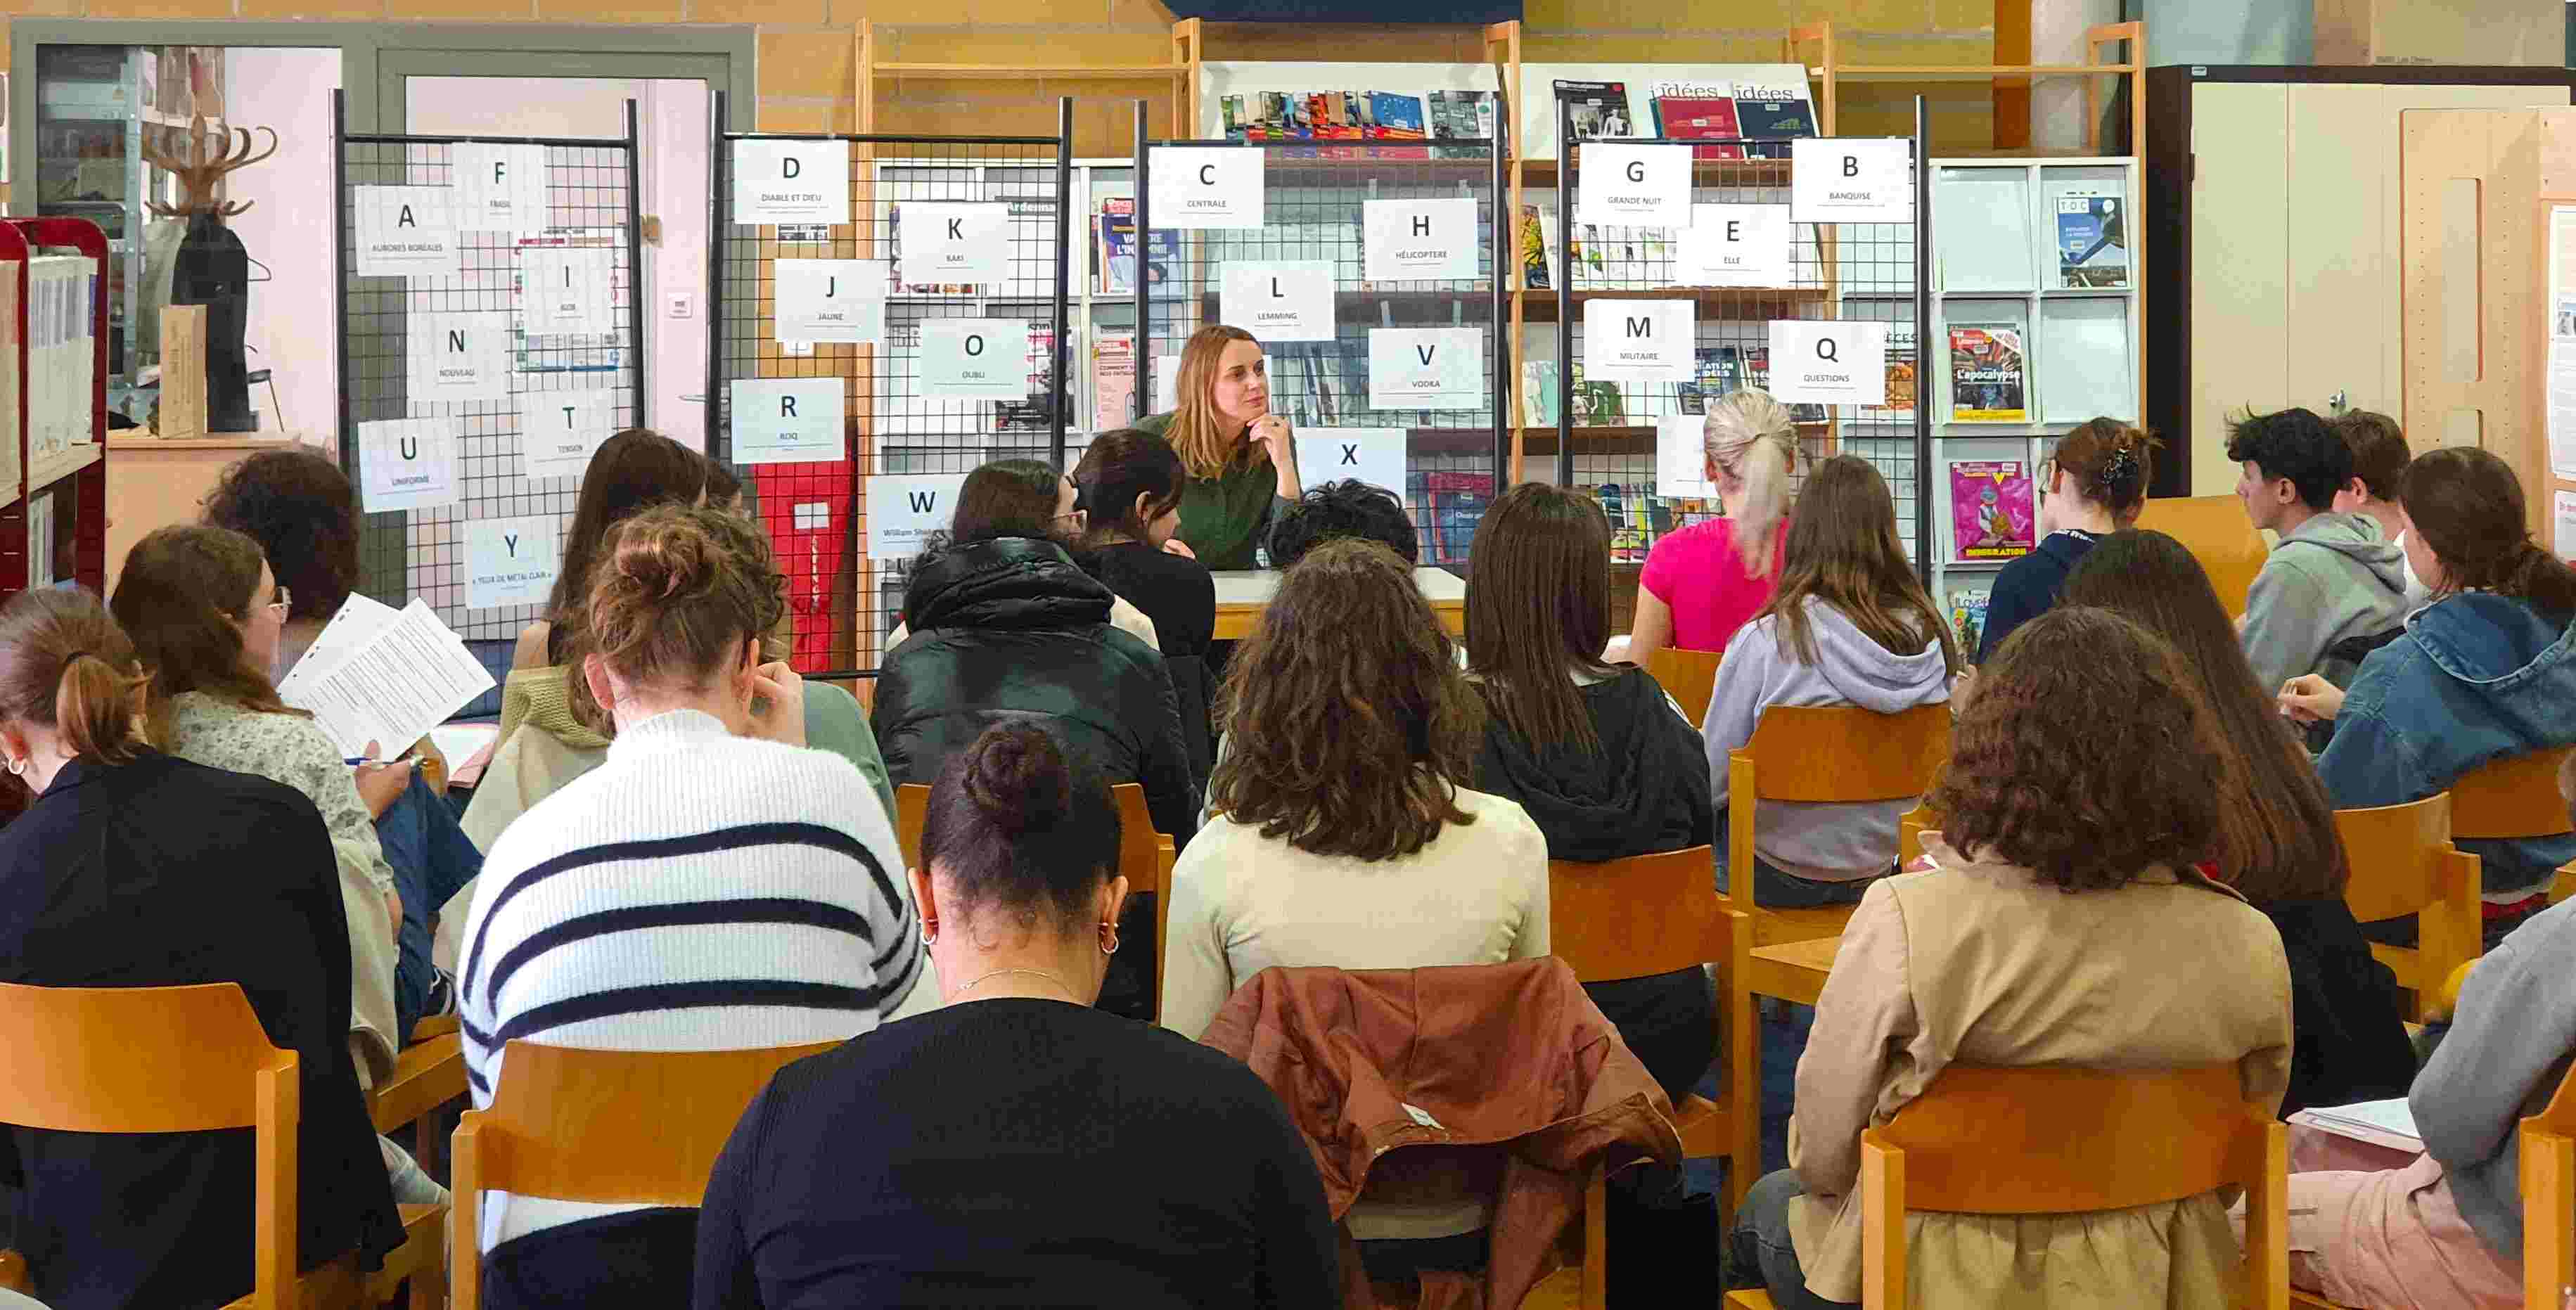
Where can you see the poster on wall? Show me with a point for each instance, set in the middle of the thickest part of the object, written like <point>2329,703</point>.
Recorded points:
<point>406,231</point>
<point>500,188</point>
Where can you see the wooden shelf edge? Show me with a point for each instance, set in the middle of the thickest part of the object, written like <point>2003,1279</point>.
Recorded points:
<point>46,471</point>
<point>1087,72</point>
<point>228,441</point>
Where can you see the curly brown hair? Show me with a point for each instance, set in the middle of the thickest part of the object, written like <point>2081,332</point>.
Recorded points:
<point>1349,728</point>
<point>301,509</point>
<point>2083,756</point>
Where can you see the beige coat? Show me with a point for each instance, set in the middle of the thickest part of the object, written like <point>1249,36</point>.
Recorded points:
<point>1976,963</point>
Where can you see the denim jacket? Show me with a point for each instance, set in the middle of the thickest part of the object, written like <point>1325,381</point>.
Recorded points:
<point>2476,678</point>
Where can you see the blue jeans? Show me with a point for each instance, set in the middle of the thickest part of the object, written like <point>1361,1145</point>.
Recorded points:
<point>1761,1244</point>
<point>1774,890</point>
<point>432,860</point>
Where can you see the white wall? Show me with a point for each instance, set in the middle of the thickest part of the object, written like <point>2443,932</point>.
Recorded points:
<point>291,328</point>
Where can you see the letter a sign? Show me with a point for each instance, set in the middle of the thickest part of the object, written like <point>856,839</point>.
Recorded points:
<point>791,181</point>
<point>1839,180</point>
<point>406,231</point>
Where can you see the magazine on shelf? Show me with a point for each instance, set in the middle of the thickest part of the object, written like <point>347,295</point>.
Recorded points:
<point>2092,240</point>
<point>1597,404</point>
<point>1113,380</point>
<point>1461,116</point>
<point>1538,393</point>
<point>1032,414</point>
<point>1683,116</point>
<point>1904,372</point>
<point>1538,248</point>
<point>1988,383</point>
<point>1454,503</point>
<point>1774,112</point>
<point>1993,515</point>
<point>1114,257</point>
<point>1715,371</point>
<point>1757,373</point>
<point>1968,619</point>
<point>1600,109</point>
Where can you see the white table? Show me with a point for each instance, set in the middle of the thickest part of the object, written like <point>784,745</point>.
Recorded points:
<point>1241,596</point>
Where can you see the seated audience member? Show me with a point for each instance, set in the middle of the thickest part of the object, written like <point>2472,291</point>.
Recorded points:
<point>713,885</point>
<point>2379,459</point>
<point>629,473</point>
<point>1348,508</point>
<point>1344,833</point>
<point>2278,846</point>
<point>1027,497</point>
<point>1130,484</point>
<point>2487,671</point>
<point>1017,1142</point>
<point>1703,582</point>
<point>2447,1230</point>
<point>2058,905</point>
<point>1850,625</point>
<point>2332,576</point>
<point>203,610</point>
<point>136,869</point>
<point>302,511</point>
<point>2097,483</point>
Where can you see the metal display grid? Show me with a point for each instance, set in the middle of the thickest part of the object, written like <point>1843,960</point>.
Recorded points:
<point>1313,193</point>
<point>1606,432</point>
<point>845,603</point>
<point>591,203</point>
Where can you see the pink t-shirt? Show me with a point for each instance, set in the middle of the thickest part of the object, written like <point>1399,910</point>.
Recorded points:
<point>1699,575</point>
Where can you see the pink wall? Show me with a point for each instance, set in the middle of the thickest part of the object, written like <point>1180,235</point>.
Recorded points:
<point>291,328</point>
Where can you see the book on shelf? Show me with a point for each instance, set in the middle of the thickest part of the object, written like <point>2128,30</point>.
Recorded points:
<point>1359,124</point>
<point>1597,404</point>
<point>1904,374</point>
<point>1715,371</point>
<point>1462,116</point>
<point>1968,619</point>
<point>1600,109</point>
<point>1113,270</point>
<point>1757,373</point>
<point>1453,504</point>
<point>2092,240</point>
<point>1993,515</point>
<point>1538,393</point>
<point>1988,382</point>
<point>1113,380</point>
<point>1538,248</point>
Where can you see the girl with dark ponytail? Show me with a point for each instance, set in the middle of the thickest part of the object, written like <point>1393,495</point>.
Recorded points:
<point>137,869</point>
<point>2096,481</point>
<point>2487,671</point>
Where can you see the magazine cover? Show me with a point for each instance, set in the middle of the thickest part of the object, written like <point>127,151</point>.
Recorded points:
<point>1757,373</point>
<point>1992,514</point>
<point>2092,242</point>
<point>1115,271</point>
<point>1455,504</point>
<point>1600,108</point>
<point>1986,381</point>
<point>1904,377</point>
<point>1968,619</point>
<point>1699,118</point>
<point>1597,404</point>
<point>1033,414</point>
<point>1537,266</point>
<point>1714,370</point>
<point>1462,116</point>
<point>1113,379</point>
<point>1773,112</point>
<point>1538,393</point>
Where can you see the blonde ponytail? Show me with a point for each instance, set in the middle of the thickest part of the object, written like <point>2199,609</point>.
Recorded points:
<point>1749,436</point>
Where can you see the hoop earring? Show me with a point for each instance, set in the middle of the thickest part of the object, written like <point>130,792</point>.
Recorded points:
<point>1108,937</point>
<point>930,932</point>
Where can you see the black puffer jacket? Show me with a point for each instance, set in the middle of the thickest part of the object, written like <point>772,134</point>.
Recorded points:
<point>1010,626</point>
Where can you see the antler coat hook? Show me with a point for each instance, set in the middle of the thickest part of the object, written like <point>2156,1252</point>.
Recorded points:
<point>199,175</point>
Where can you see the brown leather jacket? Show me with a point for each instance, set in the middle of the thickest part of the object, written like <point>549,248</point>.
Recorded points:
<point>1510,1059</point>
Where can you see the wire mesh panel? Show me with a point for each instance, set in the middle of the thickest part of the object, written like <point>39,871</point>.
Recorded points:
<point>908,432</point>
<point>539,319</point>
<point>1315,213</point>
<point>1836,271</point>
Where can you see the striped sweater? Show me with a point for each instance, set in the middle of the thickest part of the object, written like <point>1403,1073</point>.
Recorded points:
<point>697,891</point>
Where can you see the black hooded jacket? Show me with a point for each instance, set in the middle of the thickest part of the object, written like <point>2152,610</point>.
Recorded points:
<point>1646,791</point>
<point>1011,626</point>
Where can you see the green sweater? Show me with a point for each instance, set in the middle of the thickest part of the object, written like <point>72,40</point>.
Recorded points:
<point>1225,518</point>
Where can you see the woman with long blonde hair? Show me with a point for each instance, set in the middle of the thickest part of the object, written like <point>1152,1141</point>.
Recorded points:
<point>1240,460</point>
<point>1702,583</point>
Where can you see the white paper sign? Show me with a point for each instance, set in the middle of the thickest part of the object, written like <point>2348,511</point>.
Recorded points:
<point>1167,383</point>
<point>406,231</point>
<point>813,516</point>
<point>1632,185</point>
<point>407,463</point>
<point>1734,246</point>
<point>1426,368</point>
<point>2563,541</point>
<point>1830,363</point>
<point>560,430</point>
<point>455,358</point>
<point>1838,180</point>
<point>975,359</point>
<point>1287,301</point>
<point>567,290</point>
<point>903,510</point>
<point>1371,455</point>
<point>1205,187</point>
<point>499,188</point>
<point>510,561</point>
<point>960,243</point>
<point>1681,456</point>
<point>830,299</point>
<point>1414,239</point>
<point>791,181</point>
<point>1637,340</point>
<point>788,420</point>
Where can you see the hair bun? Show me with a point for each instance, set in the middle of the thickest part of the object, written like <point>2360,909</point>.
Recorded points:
<point>1016,775</point>
<point>663,557</point>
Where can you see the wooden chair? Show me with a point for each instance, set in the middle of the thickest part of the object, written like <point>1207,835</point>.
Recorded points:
<point>1654,914</point>
<point>2062,1140</point>
<point>2520,796</point>
<point>187,1060</point>
<point>1145,856</point>
<point>2548,1163</point>
<point>1909,833</point>
<point>427,1075</point>
<point>1823,753</point>
<point>1688,676</point>
<point>2217,533</point>
<point>2403,863</point>
<point>567,1124</point>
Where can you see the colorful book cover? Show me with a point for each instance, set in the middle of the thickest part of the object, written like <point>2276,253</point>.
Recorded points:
<point>1596,404</point>
<point>1462,116</point>
<point>1113,380</point>
<point>1536,267</point>
<point>1968,619</point>
<point>1600,109</point>
<point>1538,393</point>
<point>1992,512</point>
<point>1986,379</point>
<point>1714,370</point>
<point>1757,373</point>
<point>2092,242</point>
<point>1701,118</point>
<point>1904,372</point>
<point>1116,273</point>
<point>1768,114</point>
<point>1456,502</point>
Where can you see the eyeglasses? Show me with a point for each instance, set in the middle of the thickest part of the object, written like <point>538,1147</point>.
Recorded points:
<point>285,601</point>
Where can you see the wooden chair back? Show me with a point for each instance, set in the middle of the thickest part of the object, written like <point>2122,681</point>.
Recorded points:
<point>1909,833</point>
<point>2403,863</point>
<point>164,1060</point>
<point>2548,1164</point>
<point>2517,796</point>
<point>1824,753</point>
<point>1688,676</point>
<point>2217,533</point>
<point>570,1124</point>
<point>2060,1140</point>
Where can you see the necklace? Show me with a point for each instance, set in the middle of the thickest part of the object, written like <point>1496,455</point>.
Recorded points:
<point>981,979</point>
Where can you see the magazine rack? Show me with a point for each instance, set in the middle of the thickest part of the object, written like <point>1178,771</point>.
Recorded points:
<point>63,494</point>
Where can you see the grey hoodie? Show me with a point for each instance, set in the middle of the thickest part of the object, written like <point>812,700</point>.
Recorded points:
<point>1831,842</point>
<point>2331,577</point>
<point>2507,1050</point>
